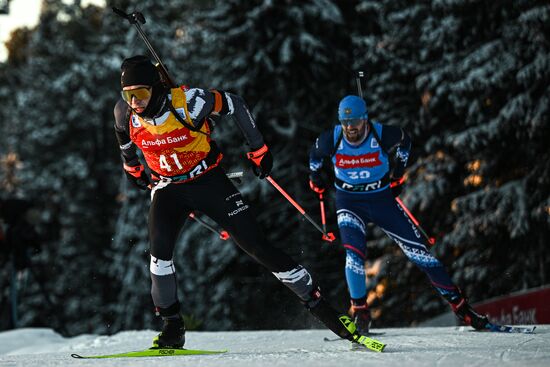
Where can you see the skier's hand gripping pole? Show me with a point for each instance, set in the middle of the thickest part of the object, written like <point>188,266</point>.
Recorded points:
<point>431,240</point>
<point>326,236</point>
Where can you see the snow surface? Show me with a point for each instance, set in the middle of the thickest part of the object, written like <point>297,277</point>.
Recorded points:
<point>423,346</point>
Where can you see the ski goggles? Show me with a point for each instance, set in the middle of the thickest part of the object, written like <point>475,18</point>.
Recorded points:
<point>352,122</point>
<point>141,93</point>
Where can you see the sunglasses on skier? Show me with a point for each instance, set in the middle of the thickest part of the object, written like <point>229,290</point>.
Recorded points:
<point>351,122</point>
<point>139,93</point>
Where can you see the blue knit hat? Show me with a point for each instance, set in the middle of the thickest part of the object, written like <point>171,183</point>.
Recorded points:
<point>351,108</point>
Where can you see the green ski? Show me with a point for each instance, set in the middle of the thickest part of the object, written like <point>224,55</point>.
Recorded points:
<point>363,340</point>
<point>153,352</point>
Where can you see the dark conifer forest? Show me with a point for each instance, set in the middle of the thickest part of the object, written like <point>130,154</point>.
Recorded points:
<point>469,80</point>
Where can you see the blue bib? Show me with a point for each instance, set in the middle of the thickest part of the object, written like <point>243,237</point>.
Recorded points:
<point>361,164</point>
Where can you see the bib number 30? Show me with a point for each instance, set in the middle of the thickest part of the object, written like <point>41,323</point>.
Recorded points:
<point>356,175</point>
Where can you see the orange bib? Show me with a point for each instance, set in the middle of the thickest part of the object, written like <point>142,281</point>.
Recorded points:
<point>170,148</point>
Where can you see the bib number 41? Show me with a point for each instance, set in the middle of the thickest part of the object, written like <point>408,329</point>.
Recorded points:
<point>197,170</point>
<point>163,162</point>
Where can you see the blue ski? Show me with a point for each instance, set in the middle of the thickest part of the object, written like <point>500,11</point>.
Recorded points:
<point>509,329</point>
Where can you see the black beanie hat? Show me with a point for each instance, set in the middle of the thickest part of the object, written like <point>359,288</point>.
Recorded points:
<point>138,70</point>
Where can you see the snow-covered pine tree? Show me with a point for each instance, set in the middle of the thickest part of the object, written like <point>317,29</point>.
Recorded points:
<point>290,62</point>
<point>469,81</point>
<point>61,132</point>
<point>488,87</point>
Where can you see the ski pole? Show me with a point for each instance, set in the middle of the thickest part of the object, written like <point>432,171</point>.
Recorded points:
<point>360,75</point>
<point>326,236</point>
<point>431,240</point>
<point>329,235</point>
<point>223,233</point>
<point>135,19</point>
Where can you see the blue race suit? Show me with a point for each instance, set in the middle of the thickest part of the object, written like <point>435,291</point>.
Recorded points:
<point>363,195</point>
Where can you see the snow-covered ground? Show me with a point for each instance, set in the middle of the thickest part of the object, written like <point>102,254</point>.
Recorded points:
<point>406,347</point>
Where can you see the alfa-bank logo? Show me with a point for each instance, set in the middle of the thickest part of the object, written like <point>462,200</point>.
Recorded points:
<point>356,161</point>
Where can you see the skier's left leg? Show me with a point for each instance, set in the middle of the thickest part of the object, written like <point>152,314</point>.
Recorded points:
<point>352,228</point>
<point>395,222</point>
<point>167,215</point>
<point>225,205</point>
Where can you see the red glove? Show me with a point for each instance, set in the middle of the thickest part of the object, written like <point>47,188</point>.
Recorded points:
<point>396,186</point>
<point>316,182</point>
<point>317,189</point>
<point>262,161</point>
<point>137,176</point>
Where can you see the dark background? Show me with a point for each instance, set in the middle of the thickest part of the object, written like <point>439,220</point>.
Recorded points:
<point>467,79</point>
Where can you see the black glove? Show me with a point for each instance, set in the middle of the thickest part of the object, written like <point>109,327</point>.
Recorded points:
<point>316,182</point>
<point>262,161</point>
<point>396,186</point>
<point>137,176</point>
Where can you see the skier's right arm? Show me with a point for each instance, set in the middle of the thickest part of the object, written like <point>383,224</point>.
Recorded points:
<point>134,170</point>
<point>321,149</point>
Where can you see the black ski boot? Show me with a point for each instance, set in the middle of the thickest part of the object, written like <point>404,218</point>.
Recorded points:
<point>360,314</point>
<point>173,329</point>
<point>341,325</point>
<point>468,315</point>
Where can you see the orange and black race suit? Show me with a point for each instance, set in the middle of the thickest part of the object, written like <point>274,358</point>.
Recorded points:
<point>184,165</point>
<point>172,151</point>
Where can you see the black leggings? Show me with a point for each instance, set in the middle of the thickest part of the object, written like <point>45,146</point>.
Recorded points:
<point>214,195</point>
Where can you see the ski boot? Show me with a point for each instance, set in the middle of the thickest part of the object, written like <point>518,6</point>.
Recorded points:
<point>173,329</point>
<point>468,315</point>
<point>360,313</point>
<point>341,325</point>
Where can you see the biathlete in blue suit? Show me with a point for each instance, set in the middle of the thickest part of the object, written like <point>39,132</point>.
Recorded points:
<point>360,153</point>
